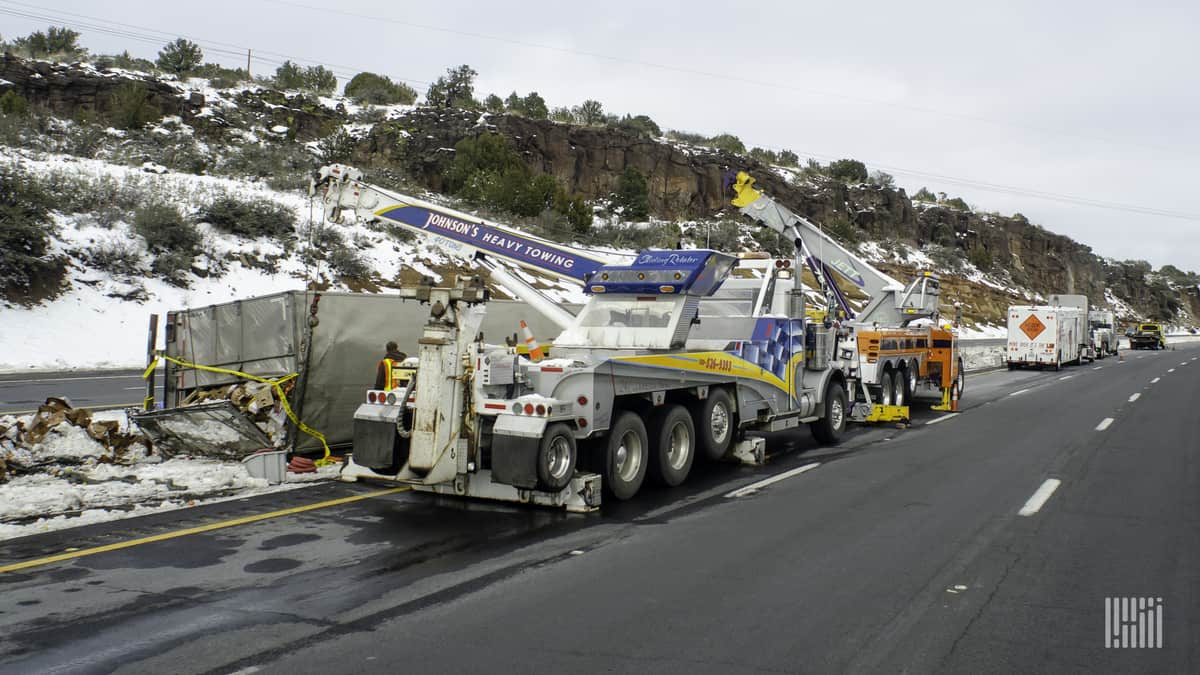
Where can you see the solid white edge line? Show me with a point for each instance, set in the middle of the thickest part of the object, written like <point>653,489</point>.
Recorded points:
<point>943,418</point>
<point>1134,397</point>
<point>755,487</point>
<point>1020,391</point>
<point>1105,423</point>
<point>1040,497</point>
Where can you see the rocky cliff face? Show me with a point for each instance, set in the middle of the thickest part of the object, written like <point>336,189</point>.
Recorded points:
<point>70,89</point>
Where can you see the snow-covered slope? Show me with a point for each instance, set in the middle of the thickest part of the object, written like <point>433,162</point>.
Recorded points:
<point>101,321</point>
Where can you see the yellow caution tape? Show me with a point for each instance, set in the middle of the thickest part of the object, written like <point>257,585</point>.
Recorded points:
<point>274,383</point>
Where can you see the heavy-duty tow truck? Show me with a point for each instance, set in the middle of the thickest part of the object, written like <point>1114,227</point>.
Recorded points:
<point>644,377</point>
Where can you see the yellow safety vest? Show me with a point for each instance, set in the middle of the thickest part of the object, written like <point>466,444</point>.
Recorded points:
<point>390,367</point>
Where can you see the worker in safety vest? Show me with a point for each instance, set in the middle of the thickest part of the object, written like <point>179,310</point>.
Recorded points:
<point>385,374</point>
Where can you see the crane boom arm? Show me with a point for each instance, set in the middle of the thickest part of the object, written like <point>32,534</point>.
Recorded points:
<point>461,235</point>
<point>891,303</point>
<point>821,247</point>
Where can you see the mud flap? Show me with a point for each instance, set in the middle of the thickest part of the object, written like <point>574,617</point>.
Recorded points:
<point>375,435</point>
<point>514,460</point>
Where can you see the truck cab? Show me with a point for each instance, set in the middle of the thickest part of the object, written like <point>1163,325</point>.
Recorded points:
<point>1148,336</point>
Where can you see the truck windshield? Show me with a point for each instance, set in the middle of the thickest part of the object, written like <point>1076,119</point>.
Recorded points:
<point>627,314</point>
<point>1149,328</point>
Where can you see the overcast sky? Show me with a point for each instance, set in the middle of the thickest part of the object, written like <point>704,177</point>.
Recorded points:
<point>1087,100</point>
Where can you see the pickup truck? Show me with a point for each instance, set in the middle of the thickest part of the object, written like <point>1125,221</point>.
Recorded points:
<point>1148,336</point>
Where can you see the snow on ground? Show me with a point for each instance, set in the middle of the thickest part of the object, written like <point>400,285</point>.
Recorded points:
<point>982,356</point>
<point>74,480</point>
<point>95,325</point>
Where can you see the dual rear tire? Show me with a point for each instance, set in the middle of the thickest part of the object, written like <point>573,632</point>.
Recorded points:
<point>665,450</point>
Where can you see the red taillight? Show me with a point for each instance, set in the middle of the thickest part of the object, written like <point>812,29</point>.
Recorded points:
<point>541,409</point>
<point>528,408</point>
<point>778,264</point>
<point>551,369</point>
<point>494,406</point>
<point>582,423</point>
<point>582,400</point>
<point>371,397</point>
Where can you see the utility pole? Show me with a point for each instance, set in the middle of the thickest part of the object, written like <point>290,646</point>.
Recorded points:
<point>248,75</point>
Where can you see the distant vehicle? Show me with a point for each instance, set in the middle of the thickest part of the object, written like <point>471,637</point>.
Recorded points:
<point>1088,349</point>
<point>1103,337</point>
<point>1044,336</point>
<point>1148,336</point>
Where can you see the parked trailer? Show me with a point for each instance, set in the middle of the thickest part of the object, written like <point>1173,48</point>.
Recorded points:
<point>1040,335</point>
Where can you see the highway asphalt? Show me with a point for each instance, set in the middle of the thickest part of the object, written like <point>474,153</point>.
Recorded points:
<point>903,550</point>
<point>24,392</point>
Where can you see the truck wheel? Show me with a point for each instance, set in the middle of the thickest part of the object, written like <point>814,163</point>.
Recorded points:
<point>912,371</point>
<point>899,387</point>
<point>714,423</point>
<point>556,458</point>
<point>887,389</point>
<point>673,445</point>
<point>828,430</point>
<point>625,456</point>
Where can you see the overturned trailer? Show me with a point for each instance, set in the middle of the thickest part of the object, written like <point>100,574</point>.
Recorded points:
<point>329,343</point>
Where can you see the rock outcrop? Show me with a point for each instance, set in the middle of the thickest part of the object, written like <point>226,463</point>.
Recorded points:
<point>687,182</point>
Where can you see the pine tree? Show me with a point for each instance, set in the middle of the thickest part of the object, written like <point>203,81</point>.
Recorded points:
<point>180,57</point>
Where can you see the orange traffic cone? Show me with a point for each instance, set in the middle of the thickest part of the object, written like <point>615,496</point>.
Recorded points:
<point>535,350</point>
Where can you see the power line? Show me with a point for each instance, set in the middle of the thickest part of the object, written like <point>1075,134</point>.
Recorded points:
<point>155,36</point>
<point>1022,191</point>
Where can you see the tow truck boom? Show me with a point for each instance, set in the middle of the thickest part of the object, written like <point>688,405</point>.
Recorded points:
<point>471,239</point>
<point>891,302</point>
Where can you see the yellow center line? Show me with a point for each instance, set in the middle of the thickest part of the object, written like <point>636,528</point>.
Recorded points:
<point>234,522</point>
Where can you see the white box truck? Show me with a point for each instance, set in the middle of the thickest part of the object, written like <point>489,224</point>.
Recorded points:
<point>1102,323</point>
<point>1087,347</point>
<point>1045,336</point>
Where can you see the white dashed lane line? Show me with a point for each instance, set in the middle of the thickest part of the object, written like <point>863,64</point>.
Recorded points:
<point>1104,424</point>
<point>755,487</point>
<point>1170,370</point>
<point>1097,368</point>
<point>1019,392</point>
<point>1155,380</point>
<point>943,418</point>
<point>1065,377</point>
<point>1134,397</point>
<point>1039,498</point>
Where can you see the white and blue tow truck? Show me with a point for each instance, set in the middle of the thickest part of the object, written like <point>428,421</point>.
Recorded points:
<point>642,379</point>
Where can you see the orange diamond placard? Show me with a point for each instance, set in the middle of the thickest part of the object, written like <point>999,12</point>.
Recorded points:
<point>1032,326</point>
